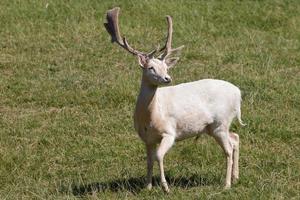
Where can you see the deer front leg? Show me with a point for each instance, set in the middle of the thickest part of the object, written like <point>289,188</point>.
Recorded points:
<point>150,153</point>
<point>165,144</point>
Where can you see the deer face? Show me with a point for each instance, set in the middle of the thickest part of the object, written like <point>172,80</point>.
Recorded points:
<point>156,70</point>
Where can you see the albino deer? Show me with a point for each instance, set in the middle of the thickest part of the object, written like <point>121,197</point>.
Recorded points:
<point>168,114</point>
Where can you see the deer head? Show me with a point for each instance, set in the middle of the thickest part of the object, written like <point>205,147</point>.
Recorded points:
<point>155,70</point>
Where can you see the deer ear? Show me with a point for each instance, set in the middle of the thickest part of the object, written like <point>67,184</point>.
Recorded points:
<point>171,61</point>
<point>142,61</point>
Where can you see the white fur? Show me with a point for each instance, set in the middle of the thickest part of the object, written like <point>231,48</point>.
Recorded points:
<point>164,115</point>
<point>168,114</point>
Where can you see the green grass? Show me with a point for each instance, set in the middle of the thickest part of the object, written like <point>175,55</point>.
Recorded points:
<point>67,96</point>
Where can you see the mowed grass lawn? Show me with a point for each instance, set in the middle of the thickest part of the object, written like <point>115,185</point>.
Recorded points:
<point>67,97</point>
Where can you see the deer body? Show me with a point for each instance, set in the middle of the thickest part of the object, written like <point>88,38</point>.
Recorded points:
<point>164,115</point>
<point>185,110</point>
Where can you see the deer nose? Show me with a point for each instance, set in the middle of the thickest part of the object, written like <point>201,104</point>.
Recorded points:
<point>167,79</point>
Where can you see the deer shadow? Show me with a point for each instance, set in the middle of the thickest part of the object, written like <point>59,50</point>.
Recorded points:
<point>135,185</point>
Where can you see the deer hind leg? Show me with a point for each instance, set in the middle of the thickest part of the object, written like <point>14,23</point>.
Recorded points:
<point>223,139</point>
<point>165,144</point>
<point>236,142</point>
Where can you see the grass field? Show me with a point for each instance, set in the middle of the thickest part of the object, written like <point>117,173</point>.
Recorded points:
<point>67,97</point>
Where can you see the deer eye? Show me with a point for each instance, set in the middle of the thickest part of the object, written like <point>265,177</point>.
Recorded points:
<point>151,69</point>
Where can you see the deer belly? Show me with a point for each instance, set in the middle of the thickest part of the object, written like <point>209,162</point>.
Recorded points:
<point>188,132</point>
<point>191,126</point>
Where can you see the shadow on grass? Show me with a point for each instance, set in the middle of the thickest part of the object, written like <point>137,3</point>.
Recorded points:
<point>135,185</point>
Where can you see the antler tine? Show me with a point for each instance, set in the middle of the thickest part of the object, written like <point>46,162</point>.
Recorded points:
<point>153,52</point>
<point>167,48</point>
<point>112,27</point>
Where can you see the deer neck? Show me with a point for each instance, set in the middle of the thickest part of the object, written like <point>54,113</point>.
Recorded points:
<point>147,94</point>
<point>146,101</point>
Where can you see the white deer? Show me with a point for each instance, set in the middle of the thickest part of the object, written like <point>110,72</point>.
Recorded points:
<point>168,114</point>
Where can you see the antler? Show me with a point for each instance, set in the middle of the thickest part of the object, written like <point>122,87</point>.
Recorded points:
<point>167,48</point>
<point>112,27</point>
